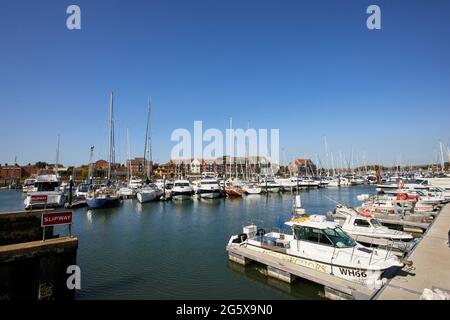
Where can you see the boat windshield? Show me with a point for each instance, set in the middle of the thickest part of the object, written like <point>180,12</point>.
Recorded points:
<point>375,223</point>
<point>46,186</point>
<point>181,184</point>
<point>208,182</point>
<point>339,238</point>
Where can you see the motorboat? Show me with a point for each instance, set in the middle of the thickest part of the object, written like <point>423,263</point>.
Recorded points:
<point>82,190</point>
<point>407,184</point>
<point>438,191</point>
<point>45,193</point>
<point>369,231</point>
<point>287,184</point>
<point>28,185</point>
<point>127,192</point>
<point>334,182</point>
<point>321,245</point>
<point>135,183</point>
<point>252,188</point>
<point>182,190</point>
<point>270,185</point>
<point>209,188</point>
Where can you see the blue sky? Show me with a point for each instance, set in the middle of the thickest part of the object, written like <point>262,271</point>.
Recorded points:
<point>310,68</point>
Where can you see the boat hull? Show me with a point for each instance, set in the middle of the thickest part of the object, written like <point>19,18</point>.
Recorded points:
<point>148,196</point>
<point>187,195</point>
<point>103,202</point>
<point>253,190</point>
<point>368,277</point>
<point>53,201</point>
<point>232,192</point>
<point>209,194</point>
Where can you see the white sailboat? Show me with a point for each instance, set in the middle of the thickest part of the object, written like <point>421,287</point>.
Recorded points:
<point>148,192</point>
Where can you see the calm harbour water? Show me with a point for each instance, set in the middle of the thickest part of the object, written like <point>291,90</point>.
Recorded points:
<point>176,250</point>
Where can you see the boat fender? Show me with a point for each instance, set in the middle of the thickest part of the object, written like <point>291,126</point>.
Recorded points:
<point>366,213</point>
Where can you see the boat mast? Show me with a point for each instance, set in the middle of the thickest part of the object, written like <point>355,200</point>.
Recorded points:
<point>111,162</point>
<point>148,143</point>
<point>129,157</point>
<point>90,173</point>
<point>57,159</point>
<point>441,145</point>
<point>231,144</point>
<point>327,161</point>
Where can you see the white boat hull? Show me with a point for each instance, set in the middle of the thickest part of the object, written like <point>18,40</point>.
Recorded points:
<point>54,200</point>
<point>368,277</point>
<point>148,196</point>
<point>253,190</point>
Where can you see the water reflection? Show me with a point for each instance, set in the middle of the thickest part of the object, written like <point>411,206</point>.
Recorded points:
<point>176,249</point>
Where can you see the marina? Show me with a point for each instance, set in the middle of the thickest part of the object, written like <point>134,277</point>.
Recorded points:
<point>127,239</point>
<point>244,151</point>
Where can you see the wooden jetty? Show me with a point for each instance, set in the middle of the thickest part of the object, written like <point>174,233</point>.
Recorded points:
<point>335,288</point>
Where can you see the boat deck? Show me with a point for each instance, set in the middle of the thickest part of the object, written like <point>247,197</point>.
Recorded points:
<point>335,288</point>
<point>430,264</point>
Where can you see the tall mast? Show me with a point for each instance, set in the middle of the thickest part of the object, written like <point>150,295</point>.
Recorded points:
<point>90,173</point>
<point>441,145</point>
<point>111,139</point>
<point>231,144</point>
<point>327,161</point>
<point>57,158</point>
<point>332,165</point>
<point>128,156</point>
<point>148,142</point>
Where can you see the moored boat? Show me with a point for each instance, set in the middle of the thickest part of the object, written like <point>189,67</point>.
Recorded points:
<point>323,246</point>
<point>46,193</point>
<point>181,190</point>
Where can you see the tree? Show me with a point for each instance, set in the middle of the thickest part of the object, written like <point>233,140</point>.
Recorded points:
<point>41,164</point>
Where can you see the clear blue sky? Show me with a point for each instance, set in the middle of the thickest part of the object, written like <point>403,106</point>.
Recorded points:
<point>310,68</point>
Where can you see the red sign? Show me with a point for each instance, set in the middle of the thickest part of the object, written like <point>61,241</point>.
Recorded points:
<point>39,199</point>
<point>54,218</point>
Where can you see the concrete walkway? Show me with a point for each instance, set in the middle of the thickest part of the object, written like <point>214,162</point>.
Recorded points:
<point>431,264</point>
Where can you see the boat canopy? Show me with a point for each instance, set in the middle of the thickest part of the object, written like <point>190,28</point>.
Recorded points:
<point>313,221</point>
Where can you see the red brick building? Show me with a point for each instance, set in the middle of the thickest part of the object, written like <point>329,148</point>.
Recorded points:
<point>8,172</point>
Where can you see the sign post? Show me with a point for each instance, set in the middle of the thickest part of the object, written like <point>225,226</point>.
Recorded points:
<point>56,218</point>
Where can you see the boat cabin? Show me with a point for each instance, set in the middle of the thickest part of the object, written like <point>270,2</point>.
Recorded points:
<point>317,230</point>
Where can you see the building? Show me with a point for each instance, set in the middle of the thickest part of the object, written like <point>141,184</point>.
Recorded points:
<point>136,166</point>
<point>11,172</point>
<point>235,166</point>
<point>302,167</point>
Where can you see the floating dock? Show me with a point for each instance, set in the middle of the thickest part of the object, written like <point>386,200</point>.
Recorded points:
<point>430,269</point>
<point>335,288</point>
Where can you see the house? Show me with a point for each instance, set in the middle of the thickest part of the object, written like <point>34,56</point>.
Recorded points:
<point>302,167</point>
<point>10,172</point>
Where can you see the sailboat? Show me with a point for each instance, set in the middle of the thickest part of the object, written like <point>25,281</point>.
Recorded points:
<point>106,195</point>
<point>130,190</point>
<point>149,191</point>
